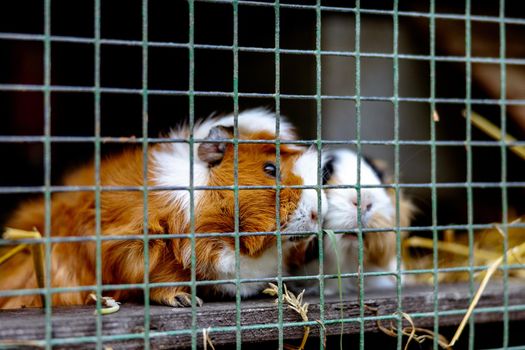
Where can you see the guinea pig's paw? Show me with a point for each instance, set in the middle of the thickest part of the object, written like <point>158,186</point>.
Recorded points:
<point>174,297</point>
<point>182,299</point>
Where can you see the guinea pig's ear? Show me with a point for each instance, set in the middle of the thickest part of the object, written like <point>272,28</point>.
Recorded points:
<point>212,153</point>
<point>328,169</point>
<point>380,167</point>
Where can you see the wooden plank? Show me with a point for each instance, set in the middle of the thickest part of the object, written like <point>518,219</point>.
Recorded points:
<point>68,323</point>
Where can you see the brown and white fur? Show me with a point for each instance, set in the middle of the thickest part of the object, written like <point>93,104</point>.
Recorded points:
<point>121,213</point>
<point>377,208</point>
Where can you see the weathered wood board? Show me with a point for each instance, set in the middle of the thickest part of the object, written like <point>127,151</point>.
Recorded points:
<point>70,323</point>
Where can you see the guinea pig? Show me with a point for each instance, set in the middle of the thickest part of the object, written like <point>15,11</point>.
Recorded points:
<point>378,211</point>
<point>73,264</point>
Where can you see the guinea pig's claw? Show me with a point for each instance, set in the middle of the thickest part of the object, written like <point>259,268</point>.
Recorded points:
<point>182,299</point>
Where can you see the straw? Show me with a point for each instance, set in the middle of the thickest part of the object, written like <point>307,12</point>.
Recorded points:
<point>37,251</point>
<point>511,253</point>
<point>493,131</point>
<point>294,303</point>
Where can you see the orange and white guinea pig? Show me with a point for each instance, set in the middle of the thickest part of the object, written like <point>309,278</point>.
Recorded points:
<point>121,213</point>
<point>378,211</point>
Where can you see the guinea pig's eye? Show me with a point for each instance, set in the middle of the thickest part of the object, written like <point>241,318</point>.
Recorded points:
<point>270,169</point>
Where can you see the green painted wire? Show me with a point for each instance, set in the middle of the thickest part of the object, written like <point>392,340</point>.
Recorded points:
<point>503,149</point>
<point>112,287</point>
<point>468,147</point>
<point>47,89</point>
<point>333,242</point>
<point>170,44</point>
<point>117,140</point>
<point>238,333</point>
<point>162,92</point>
<point>455,185</point>
<point>145,158</point>
<point>266,326</point>
<point>191,102</point>
<point>97,122</point>
<point>410,14</point>
<point>319,120</point>
<point>277,41</point>
<point>395,100</point>
<point>341,9</point>
<point>435,260</point>
<point>360,254</point>
<point>47,172</point>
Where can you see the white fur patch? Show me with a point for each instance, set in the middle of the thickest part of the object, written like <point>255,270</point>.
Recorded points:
<point>258,120</point>
<point>171,167</point>
<point>301,219</point>
<point>249,121</point>
<point>342,213</point>
<point>261,267</point>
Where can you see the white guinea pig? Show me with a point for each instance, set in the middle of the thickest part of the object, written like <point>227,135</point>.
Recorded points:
<point>377,207</point>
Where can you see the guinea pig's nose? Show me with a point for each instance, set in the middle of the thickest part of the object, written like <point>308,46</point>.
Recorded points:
<point>366,204</point>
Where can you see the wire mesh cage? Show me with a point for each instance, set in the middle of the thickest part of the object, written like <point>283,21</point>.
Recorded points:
<point>97,82</point>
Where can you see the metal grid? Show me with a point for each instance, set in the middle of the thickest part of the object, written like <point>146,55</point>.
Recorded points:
<point>97,90</point>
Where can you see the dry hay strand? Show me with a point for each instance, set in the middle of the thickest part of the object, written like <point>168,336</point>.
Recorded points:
<point>493,131</point>
<point>512,256</point>
<point>37,252</point>
<point>487,247</point>
<point>6,254</point>
<point>206,340</point>
<point>486,251</point>
<point>18,344</point>
<point>412,332</point>
<point>295,303</point>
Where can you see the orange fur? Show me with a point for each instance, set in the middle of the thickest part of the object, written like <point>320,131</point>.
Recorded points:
<point>121,213</point>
